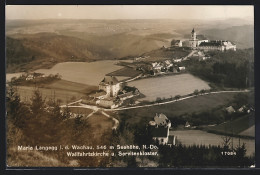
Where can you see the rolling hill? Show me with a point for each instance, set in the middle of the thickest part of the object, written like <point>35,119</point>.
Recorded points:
<point>242,36</point>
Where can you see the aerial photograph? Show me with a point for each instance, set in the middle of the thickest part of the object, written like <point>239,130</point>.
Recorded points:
<point>132,86</point>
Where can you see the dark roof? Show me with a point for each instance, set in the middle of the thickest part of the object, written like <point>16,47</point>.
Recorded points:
<point>211,43</point>
<point>201,37</point>
<point>129,89</point>
<point>159,131</point>
<point>111,80</point>
<point>193,30</point>
<point>176,41</point>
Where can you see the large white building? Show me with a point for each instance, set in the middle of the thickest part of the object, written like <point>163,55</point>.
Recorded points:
<point>110,85</point>
<point>201,42</point>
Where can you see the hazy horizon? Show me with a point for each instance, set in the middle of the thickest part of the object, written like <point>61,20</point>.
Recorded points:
<point>129,12</point>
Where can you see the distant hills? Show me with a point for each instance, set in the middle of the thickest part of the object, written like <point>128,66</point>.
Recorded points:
<point>33,44</point>
<point>242,36</point>
<point>25,51</point>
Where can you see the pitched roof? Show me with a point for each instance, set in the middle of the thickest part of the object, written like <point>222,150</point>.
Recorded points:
<point>161,120</point>
<point>110,80</point>
<point>230,109</point>
<point>211,43</point>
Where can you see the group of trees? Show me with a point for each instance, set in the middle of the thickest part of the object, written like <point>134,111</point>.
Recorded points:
<point>203,156</point>
<point>43,123</point>
<point>227,69</point>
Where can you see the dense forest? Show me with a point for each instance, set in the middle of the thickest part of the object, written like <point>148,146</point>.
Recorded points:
<point>233,69</point>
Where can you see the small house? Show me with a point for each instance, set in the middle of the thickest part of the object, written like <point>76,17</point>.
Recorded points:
<point>230,109</point>
<point>159,129</point>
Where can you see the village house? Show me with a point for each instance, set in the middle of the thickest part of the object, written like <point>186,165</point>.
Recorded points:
<point>177,43</point>
<point>230,109</point>
<point>31,76</point>
<point>177,60</point>
<point>160,130</point>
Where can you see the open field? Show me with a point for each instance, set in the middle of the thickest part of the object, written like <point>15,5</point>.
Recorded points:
<point>126,71</point>
<point>70,86</point>
<point>64,96</point>
<point>197,104</point>
<point>236,126</point>
<point>198,137</point>
<point>168,86</point>
<point>249,132</point>
<point>65,91</point>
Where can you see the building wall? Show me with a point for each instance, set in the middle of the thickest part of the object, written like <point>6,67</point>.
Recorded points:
<point>111,90</point>
<point>161,140</point>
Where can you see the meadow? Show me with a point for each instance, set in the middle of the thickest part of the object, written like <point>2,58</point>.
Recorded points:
<point>236,126</point>
<point>171,110</point>
<point>62,90</point>
<point>168,86</point>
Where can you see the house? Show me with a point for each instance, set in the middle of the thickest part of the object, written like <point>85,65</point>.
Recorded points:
<point>182,68</point>
<point>107,103</point>
<point>177,43</point>
<point>110,85</point>
<point>160,128</point>
<point>230,109</point>
<point>187,125</point>
<point>29,77</point>
<point>127,92</point>
<point>177,60</point>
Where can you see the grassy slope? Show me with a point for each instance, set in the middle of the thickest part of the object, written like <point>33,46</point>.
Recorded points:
<point>198,104</point>
<point>235,126</point>
<point>66,91</point>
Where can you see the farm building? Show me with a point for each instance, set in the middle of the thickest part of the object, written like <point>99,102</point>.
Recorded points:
<point>160,130</point>
<point>177,43</point>
<point>110,85</point>
<point>230,109</point>
<point>107,103</point>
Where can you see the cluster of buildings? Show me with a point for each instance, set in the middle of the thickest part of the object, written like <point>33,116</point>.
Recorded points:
<point>160,130</point>
<point>112,93</point>
<point>243,108</point>
<point>166,66</point>
<point>202,43</point>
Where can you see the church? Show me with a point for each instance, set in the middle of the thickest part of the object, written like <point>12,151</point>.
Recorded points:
<point>202,43</point>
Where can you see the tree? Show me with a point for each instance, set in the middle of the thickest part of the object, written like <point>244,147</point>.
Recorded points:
<point>17,112</point>
<point>38,104</point>
<point>177,97</point>
<point>196,92</point>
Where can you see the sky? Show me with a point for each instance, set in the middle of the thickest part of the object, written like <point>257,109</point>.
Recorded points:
<point>128,12</point>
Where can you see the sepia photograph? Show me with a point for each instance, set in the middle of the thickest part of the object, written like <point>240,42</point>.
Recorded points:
<point>130,86</point>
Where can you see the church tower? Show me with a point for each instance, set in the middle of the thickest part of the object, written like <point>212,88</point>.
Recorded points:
<point>193,35</point>
<point>193,40</point>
